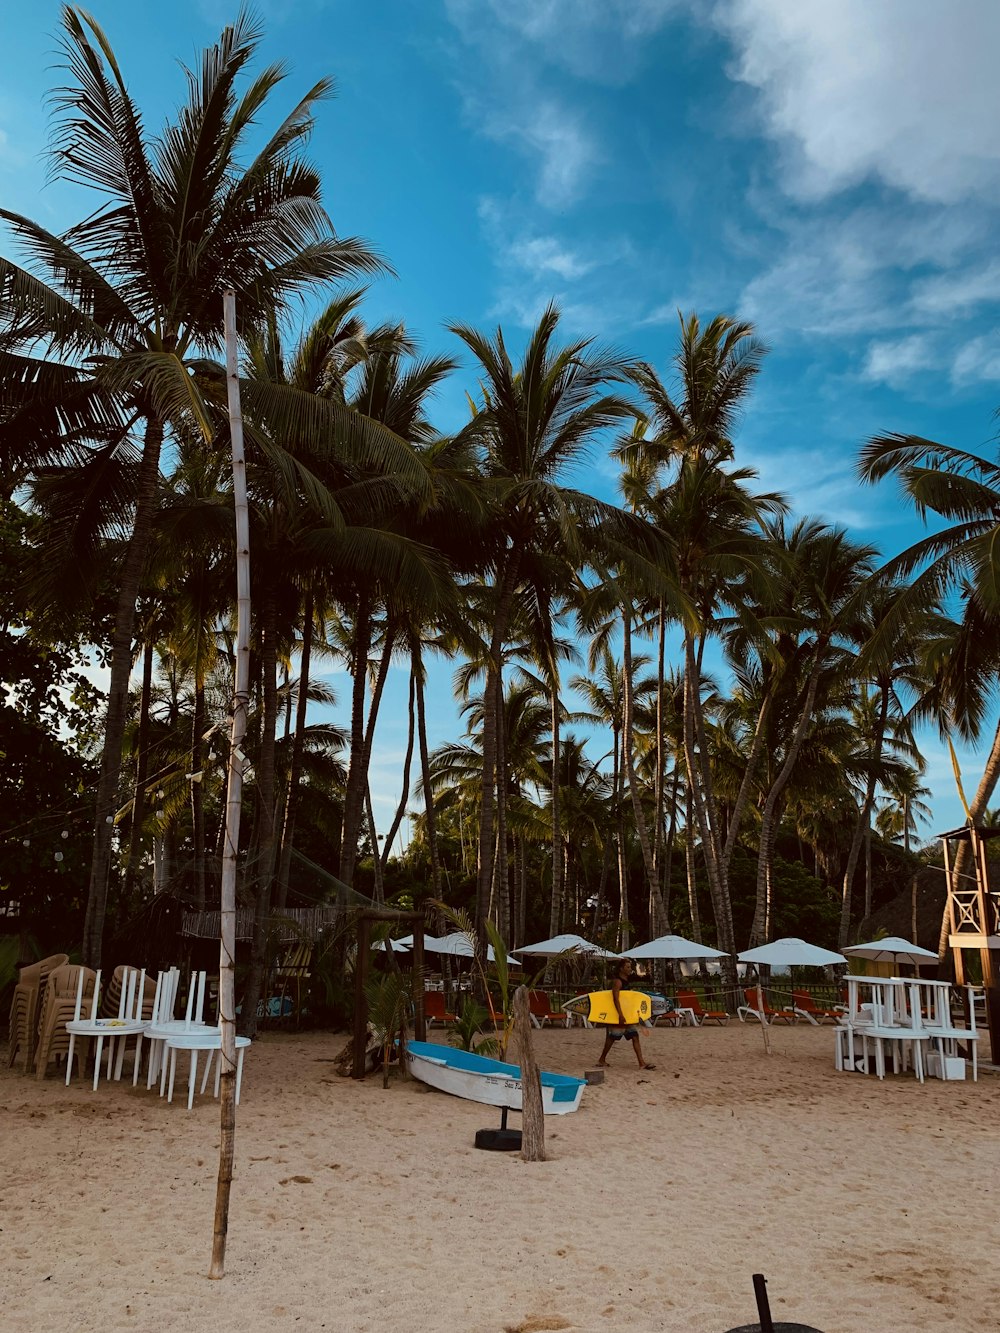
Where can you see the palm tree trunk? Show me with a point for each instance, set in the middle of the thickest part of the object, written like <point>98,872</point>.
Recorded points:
<point>769,819</point>
<point>863,822</point>
<point>130,581</point>
<point>141,770</point>
<point>503,791</point>
<point>660,780</point>
<point>557,844</point>
<point>356,773</point>
<point>197,800</point>
<point>425,768</point>
<point>701,805</point>
<point>407,761</point>
<point>749,776</point>
<point>379,883</point>
<point>265,809</point>
<point>493,690</point>
<point>692,881</point>
<point>295,761</point>
<point>354,802</point>
<point>638,814</point>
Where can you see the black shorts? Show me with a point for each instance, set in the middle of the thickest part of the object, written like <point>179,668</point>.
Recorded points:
<point>616,1034</point>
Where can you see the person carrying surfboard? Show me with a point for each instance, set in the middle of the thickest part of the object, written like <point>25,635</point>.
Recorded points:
<point>622,1029</point>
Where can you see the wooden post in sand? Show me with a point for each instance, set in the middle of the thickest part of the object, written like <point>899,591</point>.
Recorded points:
<point>532,1114</point>
<point>234,793</point>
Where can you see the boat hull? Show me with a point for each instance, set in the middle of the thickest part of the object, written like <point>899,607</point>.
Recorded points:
<point>490,1082</point>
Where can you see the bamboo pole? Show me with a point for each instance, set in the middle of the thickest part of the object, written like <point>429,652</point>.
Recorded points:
<point>532,1112</point>
<point>234,794</point>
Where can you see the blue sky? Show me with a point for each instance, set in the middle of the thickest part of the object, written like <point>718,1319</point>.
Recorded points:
<point>831,172</point>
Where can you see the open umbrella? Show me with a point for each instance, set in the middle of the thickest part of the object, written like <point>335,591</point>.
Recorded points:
<point>457,944</point>
<point>894,950</point>
<point>675,947</point>
<point>566,944</point>
<point>787,953</point>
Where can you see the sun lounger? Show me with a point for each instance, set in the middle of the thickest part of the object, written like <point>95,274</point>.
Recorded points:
<point>806,1007</point>
<point>541,1011</point>
<point>755,1007</point>
<point>687,999</point>
<point>434,1009</point>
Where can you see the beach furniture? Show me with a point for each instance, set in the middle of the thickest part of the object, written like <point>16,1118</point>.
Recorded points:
<point>687,999</point>
<point>756,1006</point>
<point>166,1026</point>
<point>290,973</point>
<point>194,1042</point>
<point>26,1007</point>
<point>434,1009</point>
<point>69,989</point>
<point>806,1007</point>
<point>130,986</point>
<point>541,1012</point>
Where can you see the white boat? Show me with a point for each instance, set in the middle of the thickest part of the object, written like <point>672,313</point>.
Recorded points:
<point>480,1079</point>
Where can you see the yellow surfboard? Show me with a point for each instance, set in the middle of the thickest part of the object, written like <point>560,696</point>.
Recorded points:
<point>599,1007</point>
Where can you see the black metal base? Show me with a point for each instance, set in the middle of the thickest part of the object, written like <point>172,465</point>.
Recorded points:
<point>778,1328</point>
<point>499,1140</point>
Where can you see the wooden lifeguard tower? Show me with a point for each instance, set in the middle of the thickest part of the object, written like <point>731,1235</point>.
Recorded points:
<point>972,912</point>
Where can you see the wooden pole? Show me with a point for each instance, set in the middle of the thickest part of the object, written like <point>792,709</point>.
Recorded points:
<point>532,1114</point>
<point>234,795</point>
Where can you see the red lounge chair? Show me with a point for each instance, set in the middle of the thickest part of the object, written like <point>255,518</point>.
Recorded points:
<point>688,1000</point>
<point>540,1008</point>
<point>807,1006</point>
<point>434,1010</point>
<point>754,1007</point>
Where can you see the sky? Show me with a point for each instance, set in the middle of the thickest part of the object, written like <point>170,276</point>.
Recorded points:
<point>829,172</point>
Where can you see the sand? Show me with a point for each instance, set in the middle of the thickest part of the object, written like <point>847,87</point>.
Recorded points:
<point>868,1206</point>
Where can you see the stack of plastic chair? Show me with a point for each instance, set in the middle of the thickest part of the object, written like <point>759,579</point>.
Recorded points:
<point>114,1029</point>
<point>111,998</point>
<point>167,1026</point>
<point>26,1007</point>
<point>64,996</point>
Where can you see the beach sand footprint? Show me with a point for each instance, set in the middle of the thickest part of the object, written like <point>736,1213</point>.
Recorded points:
<point>539,1323</point>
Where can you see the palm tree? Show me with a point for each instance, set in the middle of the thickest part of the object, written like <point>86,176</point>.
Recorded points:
<point>130,300</point>
<point>531,423</point>
<point>962,559</point>
<point>713,521</point>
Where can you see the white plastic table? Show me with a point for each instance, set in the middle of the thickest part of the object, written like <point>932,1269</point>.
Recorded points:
<point>209,1040</point>
<point>110,1030</point>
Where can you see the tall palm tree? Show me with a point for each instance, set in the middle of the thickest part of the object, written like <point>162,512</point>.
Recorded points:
<point>532,422</point>
<point>129,300</point>
<point>713,521</point>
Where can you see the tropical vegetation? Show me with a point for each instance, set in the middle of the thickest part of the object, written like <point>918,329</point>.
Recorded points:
<point>684,710</point>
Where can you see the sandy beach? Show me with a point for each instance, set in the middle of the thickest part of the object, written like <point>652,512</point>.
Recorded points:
<point>869,1206</point>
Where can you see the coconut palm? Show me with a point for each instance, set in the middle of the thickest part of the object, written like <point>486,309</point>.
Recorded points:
<point>129,300</point>
<point>532,422</point>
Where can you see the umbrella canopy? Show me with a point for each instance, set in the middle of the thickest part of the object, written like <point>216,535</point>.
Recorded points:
<point>673,946</point>
<point>791,952</point>
<point>565,944</point>
<point>458,946</point>
<point>405,942</point>
<point>892,950</point>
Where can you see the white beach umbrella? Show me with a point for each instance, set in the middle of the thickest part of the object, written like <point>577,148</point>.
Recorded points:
<point>675,947</point>
<point>892,950</point>
<point>790,952</point>
<point>565,944</point>
<point>787,953</point>
<point>458,946</point>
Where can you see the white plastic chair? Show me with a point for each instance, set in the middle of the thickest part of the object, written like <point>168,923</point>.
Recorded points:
<point>193,1042</point>
<point>129,1023</point>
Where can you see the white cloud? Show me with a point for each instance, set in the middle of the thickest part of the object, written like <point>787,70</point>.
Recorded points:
<point>958,292</point>
<point>893,362</point>
<point>554,136</point>
<point>600,40</point>
<point>978,361</point>
<point>902,91</point>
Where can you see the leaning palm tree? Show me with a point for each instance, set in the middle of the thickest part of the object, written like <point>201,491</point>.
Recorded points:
<point>128,301</point>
